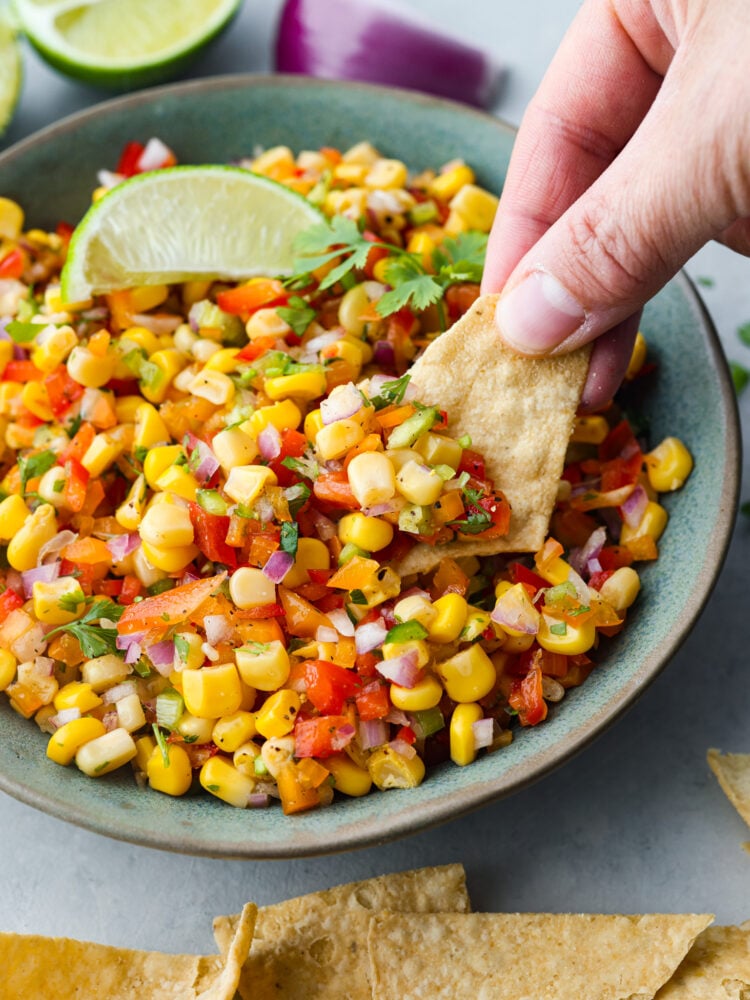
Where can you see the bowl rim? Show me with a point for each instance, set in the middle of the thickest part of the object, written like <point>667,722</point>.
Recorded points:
<point>458,802</point>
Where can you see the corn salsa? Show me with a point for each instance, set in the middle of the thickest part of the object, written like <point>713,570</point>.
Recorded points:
<point>207,489</point>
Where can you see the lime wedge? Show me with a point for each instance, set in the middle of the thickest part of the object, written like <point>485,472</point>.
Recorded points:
<point>185,223</point>
<point>122,43</point>
<point>10,72</point>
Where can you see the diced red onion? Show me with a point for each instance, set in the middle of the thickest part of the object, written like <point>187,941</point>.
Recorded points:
<point>402,670</point>
<point>316,344</point>
<point>269,442</point>
<point>613,521</point>
<point>384,355</point>
<point>64,716</point>
<point>635,507</point>
<point>194,314</point>
<point>324,526</point>
<point>155,154</point>
<point>13,581</point>
<point>511,613</point>
<point>218,629</point>
<point>343,736</point>
<point>133,652</point>
<point>108,179</point>
<point>210,652</point>
<point>122,545</point>
<point>397,718</point>
<point>582,590</point>
<point>278,565</point>
<point>95,315</point>
<point>264,509</point>
<point>484,732</point>
<point>125,641</point>
<point>325,634</point>
<point>258,800</point>
<point>56,544</point>
<point>383,43</point>
<point>47,573</point>
<point>370,636</point>
<point>120,691</point>
<point>381,508</point>
<point>110,721</point>
<point>32,643</point>
<point>415,592</point>
<point>593,566</point>
<point>372,733</point>
<point>344,402</point>
<point>341,622</point>
<point>160,324</point>
<point>43,666</point>
<point>208,463</point>
<point>403,748</point>
<point>589,550</point>
<point>161,655</point>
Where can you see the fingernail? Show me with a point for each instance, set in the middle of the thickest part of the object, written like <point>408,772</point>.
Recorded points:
<point>538,314</point>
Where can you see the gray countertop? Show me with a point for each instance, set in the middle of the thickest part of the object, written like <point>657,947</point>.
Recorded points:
<point>636,823</point>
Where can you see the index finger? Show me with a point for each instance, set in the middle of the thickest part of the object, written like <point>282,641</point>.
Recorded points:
<point>590,102</point>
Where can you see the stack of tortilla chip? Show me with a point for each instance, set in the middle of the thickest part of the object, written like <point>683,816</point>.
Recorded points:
<point>407,936</point>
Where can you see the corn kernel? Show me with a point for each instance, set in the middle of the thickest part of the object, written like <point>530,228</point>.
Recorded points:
<point>276,752</point>
<point>49,600</point>
<point>637,358</point>
<point>103,672</point>
<point>423,245</point>
<point>224,360</point>
<point>214,386</point>
<point>447,184</point>
<point>35,398</point>
<point>13,515</point>
<point>555,571</point>
<point>589,430</point>
<point>195,730</point>
<point>11,219</point>
<point>177,480</point>
<point>159,459</point>
<point>263,665</point>
<point>231,731</point>
<point>416,608</point>
<point>77,694</point>
<point>334,440</point>
<point>476,207</point>
<point>621,589</point>
<point>130,714</point>
<point>272,158</point>
<point>278,713</point>
<point>66,741</point>
<point>106,753</point>
<point>313,424</point>
<point>169,363</point>
<point>452,610</point>
<point>369,533</point>
<point>212,692</point>
<point>389,769</point>
<point>245,483</point>
<point>234,447</point>
<point>283,415</point>
<point>88,369</point>
<point>129,513</point>
<point>355,304</point>
<point>143,298</point>
<point>418,484</point>
<point>653,523</point>
<point>348,777</point>
<point>425,694</point>
<point>463,745</point>
<point>469,675</point>
<point>244,758</point>
<point>223,780</point>
<point>439,450</point>
<point>101,453</point>
<point>266,323</point>
<point>194,655</point>
<point>477,622</point>
<point>53,348</point>
<point>576,639</point>
<point>144,747</point>
<point>311,554</point>
<point>372,478</point>
<point>168,525</point>
<point>8,665</point>
<point>150,429</point>
<point>392,650</point>
<point>169,560</point>
<point>668,465</point>
<point>172,779</point>
<point>139,338</point>
<point>304,385</point>
<point>203,350</point>
<point>386,175</point>
<point>361,152</point>
<point>36,531</point>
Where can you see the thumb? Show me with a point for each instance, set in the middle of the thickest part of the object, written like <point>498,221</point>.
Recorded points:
<point>620,242</point>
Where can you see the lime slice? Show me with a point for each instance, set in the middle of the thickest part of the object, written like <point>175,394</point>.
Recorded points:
<point>10,72</point>
<point>185,223</point>
<point>122,43</point>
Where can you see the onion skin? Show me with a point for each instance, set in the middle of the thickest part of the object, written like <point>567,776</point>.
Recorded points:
<point>355,40</point>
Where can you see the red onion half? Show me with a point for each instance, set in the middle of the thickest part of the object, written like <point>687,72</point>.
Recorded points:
<point>402,670</point>
<point>42,574</point>
<point>383,43</point>
<point>278,565</point>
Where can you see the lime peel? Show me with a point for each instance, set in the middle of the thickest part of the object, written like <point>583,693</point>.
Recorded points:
<point>182,224</point>
<point>10,72</point>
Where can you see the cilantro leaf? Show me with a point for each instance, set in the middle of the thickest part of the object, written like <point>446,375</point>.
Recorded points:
<point>297,496</point>
<point>95,640</point>
<point>743,332</point>
<point>289,537</point>
<point>35,465</point>
<point>305,466</point>
<point>298,314</point>
<point>71,602</point>
<point>24,333</point>
<point>411,286</point>
<point>391,392</point>
<point>325,242</point>
<point>740,376</point>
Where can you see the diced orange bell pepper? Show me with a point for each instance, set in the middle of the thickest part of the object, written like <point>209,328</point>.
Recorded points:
<point>295,796</point>
<point>170,608</point>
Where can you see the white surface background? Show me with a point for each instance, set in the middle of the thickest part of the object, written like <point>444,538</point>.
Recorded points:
<point>636,823</point>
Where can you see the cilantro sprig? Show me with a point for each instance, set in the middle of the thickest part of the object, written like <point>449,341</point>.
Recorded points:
<point>457,260</point>
<point>94,638</point>
<point>35,465</point>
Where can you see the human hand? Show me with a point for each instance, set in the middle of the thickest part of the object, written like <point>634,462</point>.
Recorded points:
<point>634,152</point>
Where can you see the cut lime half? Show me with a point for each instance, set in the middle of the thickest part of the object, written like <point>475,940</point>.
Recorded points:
<point>10,72</point>
<point>122,43</point>
<point>185,223</point>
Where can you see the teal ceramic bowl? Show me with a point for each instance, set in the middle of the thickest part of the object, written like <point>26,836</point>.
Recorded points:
<point>52,175</point>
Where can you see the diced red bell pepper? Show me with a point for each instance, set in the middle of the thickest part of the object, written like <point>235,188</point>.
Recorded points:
<point>210,535</point>
<point>9,601</point>
<point>12,264</point>
<point>22,371</point>
<point>323,736</point>
<point>473,463</point>
<point>373,701</point>
<point>597,580</point>
<point>260,293</point>
<point>293,445</point>
<point>527,699</point>
<point>407,734</point>
<point>460,298</point>
<point>79,444</point>
<point>333,489</point>
<point>127,165</point>
<point>521,574</point>
<point>62,391</point>
<point>76,485</point>
<point>328,686</point>
<point>261,612</point>
<point>131,588</point>
<point>614,556</point>
<point>256,348</point>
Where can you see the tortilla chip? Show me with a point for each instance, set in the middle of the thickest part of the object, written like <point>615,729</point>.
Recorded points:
<point>519,956</point>
<point>733,773</point>
<point>717,967</point>
<point>519,413</point>
<point>315,946</point>
<point>35,967</point>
